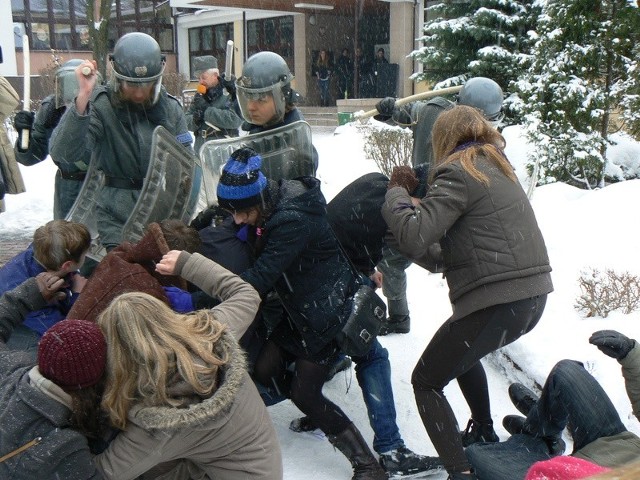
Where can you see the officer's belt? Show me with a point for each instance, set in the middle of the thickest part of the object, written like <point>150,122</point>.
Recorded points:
<point>124,183</point>
<point>77,176</point>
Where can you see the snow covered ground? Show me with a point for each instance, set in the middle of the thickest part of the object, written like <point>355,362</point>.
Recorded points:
<point>582,229</point>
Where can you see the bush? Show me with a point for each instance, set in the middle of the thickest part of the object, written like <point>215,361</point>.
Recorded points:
<point>175,83</point>
<point>602,293</point>
<point>387,146</point>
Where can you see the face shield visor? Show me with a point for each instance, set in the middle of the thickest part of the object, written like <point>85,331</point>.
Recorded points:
<point>250,100</point>
<point>118,79</point>
<point>495,119</point>
<point>66,86</point>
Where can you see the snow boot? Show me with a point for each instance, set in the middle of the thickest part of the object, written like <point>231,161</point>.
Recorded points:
<point>396,324</point>
<point>478,432</point>
<point>522,398</point>
<point>352,445</point>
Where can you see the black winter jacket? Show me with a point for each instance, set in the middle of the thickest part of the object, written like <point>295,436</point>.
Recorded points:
<point>301,259</point>
<point>492,248</point>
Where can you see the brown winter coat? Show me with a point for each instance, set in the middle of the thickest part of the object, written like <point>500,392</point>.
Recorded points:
<point>9,101</point>
<point>492,249</point>
<point>228,436</point>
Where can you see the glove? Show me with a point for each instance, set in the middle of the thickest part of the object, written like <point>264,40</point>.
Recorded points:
<point>229,85</point>
<point>422,174</point>
<point>612,343</point>
<point>404,177</point>
<point>200,103</point>
<point>386,106</point>
<point>49,286</point>
<point>52,115</point>
<point>23,120</point>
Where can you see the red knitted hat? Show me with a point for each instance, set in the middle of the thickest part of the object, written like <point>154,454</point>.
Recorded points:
<point>72,354</point>
<point>563,468</point>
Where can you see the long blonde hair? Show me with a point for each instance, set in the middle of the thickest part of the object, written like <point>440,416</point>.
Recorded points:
<point>628,472</point>
<point>147,345</point>
<point>463,134</point>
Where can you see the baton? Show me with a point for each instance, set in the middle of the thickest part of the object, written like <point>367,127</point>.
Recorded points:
<point>228,60</point>
<point>26,100</point>
<point>411,98</point>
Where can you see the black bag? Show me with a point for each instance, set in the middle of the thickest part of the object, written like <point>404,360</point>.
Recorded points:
<point>368,311</point>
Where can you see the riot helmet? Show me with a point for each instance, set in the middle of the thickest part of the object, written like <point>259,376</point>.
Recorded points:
<point>266,74</point>
<point>137,60</point>
<point>485,95</point>
<point>66,83</point>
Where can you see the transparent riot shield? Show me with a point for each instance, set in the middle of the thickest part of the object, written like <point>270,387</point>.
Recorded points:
<point>170,190</point>
<point>287,152</point>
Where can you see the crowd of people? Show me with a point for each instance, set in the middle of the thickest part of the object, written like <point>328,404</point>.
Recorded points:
<point>161,361</point>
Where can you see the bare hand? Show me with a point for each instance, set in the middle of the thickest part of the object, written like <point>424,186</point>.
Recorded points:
<point>376,278</point>
<point>87,76</point>
<point>49,285</point>
<point>167,265</point>
<point>77,282</point>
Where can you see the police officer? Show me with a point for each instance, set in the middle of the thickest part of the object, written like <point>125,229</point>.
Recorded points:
<point>69,177</point>
<point>211,114</point>
<point>115,123</point>
<point>481,93</point>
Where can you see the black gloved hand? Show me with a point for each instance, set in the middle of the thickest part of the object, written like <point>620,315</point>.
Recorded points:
<point>23,120</point>
<point>612,343</point>
<point>229,85</point>
<point>52,115</point>
<point>199,105</point>
<point>403,176</point>
<point>386,106</point>
<point>422,174</point>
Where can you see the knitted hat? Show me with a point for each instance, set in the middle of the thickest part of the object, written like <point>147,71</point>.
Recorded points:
<point>563,468</point>
<point>72,354</point>
<point>242,183</point>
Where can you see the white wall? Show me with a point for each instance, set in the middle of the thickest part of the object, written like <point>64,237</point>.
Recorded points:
<point>8,66</point>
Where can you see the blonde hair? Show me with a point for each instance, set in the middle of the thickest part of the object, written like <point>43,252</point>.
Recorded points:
<point>148,344</point>
<point>464,126</point>
<point>628,472</point>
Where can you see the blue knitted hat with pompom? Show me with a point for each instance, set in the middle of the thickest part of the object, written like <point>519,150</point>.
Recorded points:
<point>242,183</point>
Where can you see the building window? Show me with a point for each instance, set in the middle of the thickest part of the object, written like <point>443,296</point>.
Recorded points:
<point>210,40</point>
<point>62,24</point>
<point>273,34</point>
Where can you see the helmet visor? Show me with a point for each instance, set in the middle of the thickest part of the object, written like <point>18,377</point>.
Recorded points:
<point>254,102</point>
<point>66,87</point>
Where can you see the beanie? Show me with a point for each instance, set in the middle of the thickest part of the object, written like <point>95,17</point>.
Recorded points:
<point>72,354</point>
<point>241,183</point>
<point>563,468</point>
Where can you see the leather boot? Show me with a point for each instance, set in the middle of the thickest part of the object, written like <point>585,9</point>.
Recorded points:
<point>352,445</point>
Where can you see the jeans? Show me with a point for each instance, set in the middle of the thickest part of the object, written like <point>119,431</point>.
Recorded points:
<point>373,372</point>
<point>394,281</point>
<point>323,85</point>
<point>572,398</point>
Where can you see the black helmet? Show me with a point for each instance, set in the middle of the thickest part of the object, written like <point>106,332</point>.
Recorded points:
<point>136,58</point>
<point>266,73</point>
<point>485,95</point>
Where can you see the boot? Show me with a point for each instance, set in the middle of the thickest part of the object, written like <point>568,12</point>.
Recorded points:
<point>515,424</point>
<point>352,445</point>
<point>396,324</point>
<point>478,432</point>
<point>522,397</point>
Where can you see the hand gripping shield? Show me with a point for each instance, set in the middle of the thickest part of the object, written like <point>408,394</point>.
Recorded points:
<point>287,153</point>
<point>170,190</point>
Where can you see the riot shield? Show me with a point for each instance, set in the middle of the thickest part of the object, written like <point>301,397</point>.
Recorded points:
<point>170,190</point>
<point>287,152</point>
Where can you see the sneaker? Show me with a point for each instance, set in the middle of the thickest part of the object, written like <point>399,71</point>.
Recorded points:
<point>396,324</point>
<point>402,462</point>
<point>302,424</point>
<point>522,397</point>
<point>343,363</point>
<point>478,432</point>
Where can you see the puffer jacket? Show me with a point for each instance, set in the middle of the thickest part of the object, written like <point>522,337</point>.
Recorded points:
<point>301,259</point>
<point>28,412</point>
<point>492,249</point>
<point>226,436</point>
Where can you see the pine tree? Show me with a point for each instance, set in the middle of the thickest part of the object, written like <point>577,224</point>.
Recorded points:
<point>577,79</point>
<point>486,38</point>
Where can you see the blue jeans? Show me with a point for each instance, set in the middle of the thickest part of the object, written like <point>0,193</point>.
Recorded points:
<point>373,372</point>
<point>572,398</point>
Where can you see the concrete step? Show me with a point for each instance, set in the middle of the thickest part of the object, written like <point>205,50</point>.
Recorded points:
<point>320,116</point>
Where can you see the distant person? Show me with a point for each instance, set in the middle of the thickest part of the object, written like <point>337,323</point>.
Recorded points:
<point>69,176</point>
<point>365,79</point>
<point>59,247</point>
<point>322,71</point>
<point>211,114</point>
<point>344,75</point>
<point>49,406</point>
<point>477,226</point>
<point>380,56</point>
<point>113,126</point>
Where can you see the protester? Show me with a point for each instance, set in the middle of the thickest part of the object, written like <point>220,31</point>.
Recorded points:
<point>58,247</point>
<point>48,409</point>
<point>10,178</point>
<point>177,385</point>
<point>113,125</point>
<point>477,225</point>
<point>211,114</point>
<point>481,93</point>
